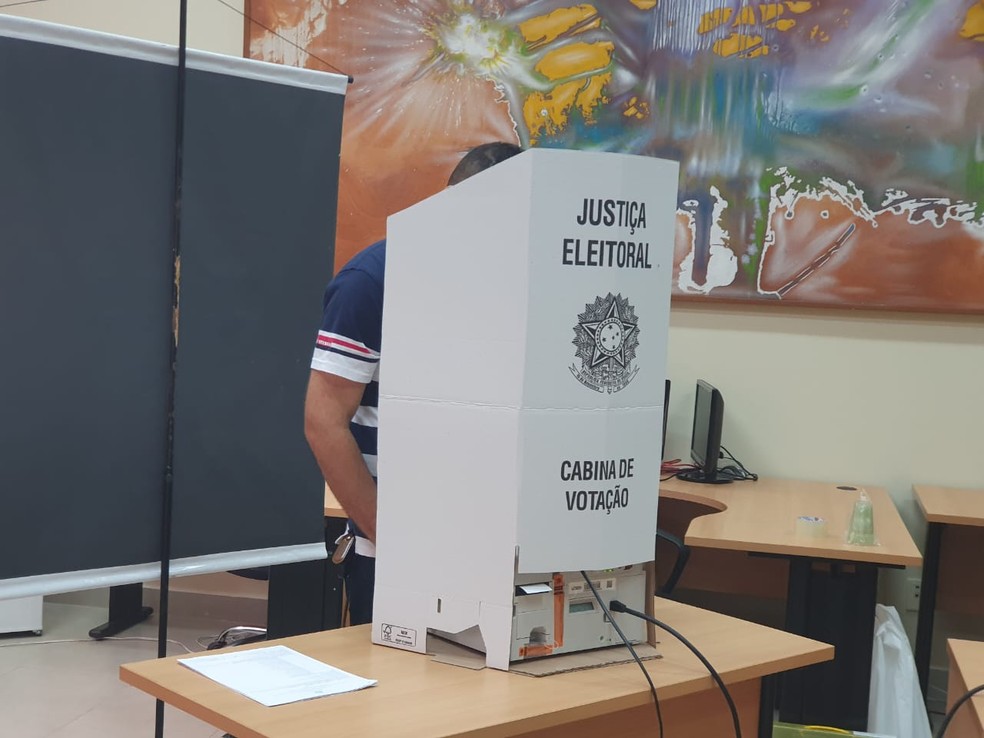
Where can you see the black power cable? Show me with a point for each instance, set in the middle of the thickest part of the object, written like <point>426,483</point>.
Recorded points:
<point>652,687</point>
<point>737,470</point>
<point>956,706</point>
<point>618,606</point>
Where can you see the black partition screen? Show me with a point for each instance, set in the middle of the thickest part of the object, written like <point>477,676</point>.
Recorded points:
<point>252,279</point>
<point>86,192</point>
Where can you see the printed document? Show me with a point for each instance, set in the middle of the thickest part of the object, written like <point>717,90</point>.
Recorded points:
<point>275,675</point>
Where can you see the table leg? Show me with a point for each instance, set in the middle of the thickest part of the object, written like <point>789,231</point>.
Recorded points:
<point>126,609</point>
<point>927,602</point>
<point>791,688</point>
<point>834,603</point>
<point>767,706</point>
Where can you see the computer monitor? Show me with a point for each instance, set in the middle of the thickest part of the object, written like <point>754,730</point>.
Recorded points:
<point>705,443</point>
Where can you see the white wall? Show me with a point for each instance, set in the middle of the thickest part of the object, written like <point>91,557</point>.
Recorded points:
<point>863,397</point>
<point>211,25</point>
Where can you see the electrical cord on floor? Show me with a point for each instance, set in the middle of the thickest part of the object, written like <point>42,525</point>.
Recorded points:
<point>618,606</point>
<point>652,687</point>
<point>956,706</point>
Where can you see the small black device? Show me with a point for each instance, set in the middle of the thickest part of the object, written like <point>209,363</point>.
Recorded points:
<point>705,443</point>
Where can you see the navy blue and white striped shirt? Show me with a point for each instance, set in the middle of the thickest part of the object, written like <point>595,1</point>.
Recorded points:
<point>348,346</point>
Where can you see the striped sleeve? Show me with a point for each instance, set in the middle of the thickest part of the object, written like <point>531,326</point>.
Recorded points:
<point>348,340</point>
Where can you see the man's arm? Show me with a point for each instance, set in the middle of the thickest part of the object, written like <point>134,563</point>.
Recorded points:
<point>331,402</point>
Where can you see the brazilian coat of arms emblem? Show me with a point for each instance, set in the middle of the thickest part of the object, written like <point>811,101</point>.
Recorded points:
<point>606,336</point>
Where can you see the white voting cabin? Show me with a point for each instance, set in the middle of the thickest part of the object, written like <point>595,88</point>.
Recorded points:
<point>524,334</point>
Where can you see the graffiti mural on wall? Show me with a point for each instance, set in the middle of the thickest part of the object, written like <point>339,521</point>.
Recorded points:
<point>832,151</point>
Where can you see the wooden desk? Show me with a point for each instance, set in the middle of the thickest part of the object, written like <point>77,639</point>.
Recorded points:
<point>419,697</point>
<point>966,672</point>
<point>332,507</point>
<point>760,517</point>
<point>959,513</point>
<point>831,587</point>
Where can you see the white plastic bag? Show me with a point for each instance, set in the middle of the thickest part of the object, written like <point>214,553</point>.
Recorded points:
<point>896,705</point>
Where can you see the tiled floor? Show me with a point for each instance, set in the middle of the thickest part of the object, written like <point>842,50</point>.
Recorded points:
<point>72,690</point>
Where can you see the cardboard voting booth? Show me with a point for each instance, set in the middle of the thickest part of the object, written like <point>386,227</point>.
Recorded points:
<point>520,415</point>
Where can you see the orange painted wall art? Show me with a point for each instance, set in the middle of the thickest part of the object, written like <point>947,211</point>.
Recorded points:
<point>832,151</point>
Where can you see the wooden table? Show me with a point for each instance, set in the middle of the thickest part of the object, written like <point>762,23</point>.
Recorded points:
<point>419,697</point>
<point>760,517</point>
<point>333,508</point>
<point>831,586</point>
<point>966,672</point>
<point>959,513</point>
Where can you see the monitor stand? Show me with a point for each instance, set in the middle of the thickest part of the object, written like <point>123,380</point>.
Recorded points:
<point>698,476</point>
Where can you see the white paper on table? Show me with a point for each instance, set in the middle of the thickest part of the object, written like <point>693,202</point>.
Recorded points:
<point>275,675</point>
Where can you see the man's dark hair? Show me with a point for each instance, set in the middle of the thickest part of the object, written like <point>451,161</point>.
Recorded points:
<point>481,158</point>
